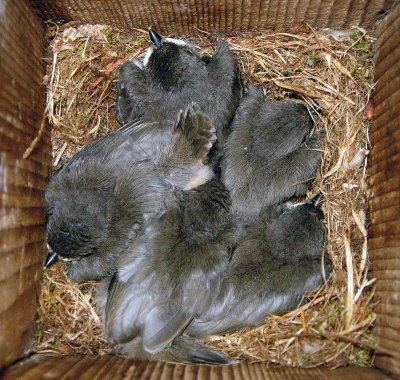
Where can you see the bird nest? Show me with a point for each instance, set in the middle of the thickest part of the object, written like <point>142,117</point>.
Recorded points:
<point>333,73</point>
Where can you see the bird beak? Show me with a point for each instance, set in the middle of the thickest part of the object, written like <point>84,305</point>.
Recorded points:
<point>155,38</point>
<point>51,259</point>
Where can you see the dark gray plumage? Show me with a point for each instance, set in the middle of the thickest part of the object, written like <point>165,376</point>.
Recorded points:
<point>277,261</point>
<point>93,213</point>
<point>175,74</point>
<point>270,155</point>
<point>97,203</point>
<point>172,274</point>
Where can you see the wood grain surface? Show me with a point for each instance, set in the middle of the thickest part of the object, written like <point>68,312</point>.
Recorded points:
<point>111,367</point>
<point>185,16</point>
<point>22,182</point>
<point>384,189</point>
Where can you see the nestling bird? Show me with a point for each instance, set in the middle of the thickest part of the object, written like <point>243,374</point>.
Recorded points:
<point>174,74</point>
<point>277,261</point>
<point>97,203</point>
<point>170,275</point>
<point>270,155</point>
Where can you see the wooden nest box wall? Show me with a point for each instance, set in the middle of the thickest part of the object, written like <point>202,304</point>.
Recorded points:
<point>23,180</point>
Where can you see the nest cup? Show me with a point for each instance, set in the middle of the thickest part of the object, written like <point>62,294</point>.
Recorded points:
<point>334,76</point>
<point>25,158</point>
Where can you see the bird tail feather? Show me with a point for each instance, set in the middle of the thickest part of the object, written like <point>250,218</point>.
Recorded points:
<point>183,349</point>
<point>188,350</point>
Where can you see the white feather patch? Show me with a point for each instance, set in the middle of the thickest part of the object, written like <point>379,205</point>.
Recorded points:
<point>175,41</point>
<point>201,175</point>
<point>149,52</point>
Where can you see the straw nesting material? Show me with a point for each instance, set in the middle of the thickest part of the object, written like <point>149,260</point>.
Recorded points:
<point>330,70</point>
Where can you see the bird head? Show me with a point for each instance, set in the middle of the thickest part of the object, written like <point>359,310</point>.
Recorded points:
<point>78,213</point>
<point>172,61</point>
<point>77,225</point>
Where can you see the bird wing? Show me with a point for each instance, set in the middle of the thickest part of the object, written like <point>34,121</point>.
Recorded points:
<point>162,327</point>
<point>139,304</point>
<point>134,127</point>
<point>224,69</point>
<point>130,89</point>
<point>135,310</point>
<point>134,142</point>
<point>160,288</point>
<point>225,76</point>
<point>97,149</point>
<point>224,61</point>
<point>123,306</point>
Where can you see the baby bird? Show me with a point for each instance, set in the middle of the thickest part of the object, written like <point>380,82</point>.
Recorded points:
<point>270,155</point>
<point>97,203</point>
<point>172,274</point>
<point>93,212</point>
<point>174,74</point>
<point>277,261</point>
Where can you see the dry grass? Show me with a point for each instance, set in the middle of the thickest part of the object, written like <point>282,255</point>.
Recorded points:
<point>82,69</point>
<point>68,320</point>
<point>335,78</point>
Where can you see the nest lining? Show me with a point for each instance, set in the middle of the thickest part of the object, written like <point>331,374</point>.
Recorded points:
<point>333,73</point>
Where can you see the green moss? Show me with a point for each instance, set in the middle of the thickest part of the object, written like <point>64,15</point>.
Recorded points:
<point>83,119</point>
<point>324,112</point>
<point>39,335</point>
<point>361,357</point>
<point>107,32</point>
<point>371,317</point>
<point>133,44</point>
<point>362,45</point>
<point>339,307</point>
<point>332,320</point>
<point>82,49</point>
<point>311,59</point>
<point>316,324</point>
<point>62,102</point>
<point>139,41</point>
